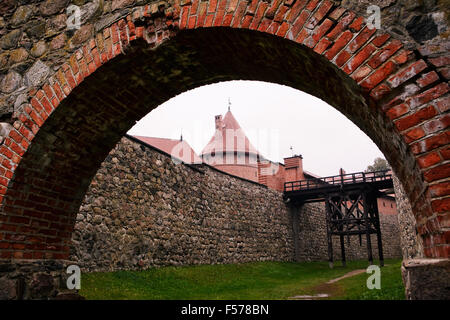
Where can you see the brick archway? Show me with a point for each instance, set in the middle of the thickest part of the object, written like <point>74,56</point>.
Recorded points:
<point>69,125</point>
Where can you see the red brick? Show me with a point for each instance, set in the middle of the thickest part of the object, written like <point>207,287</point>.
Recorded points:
<point>337,13</point>
<point>415,118</point>
<point>378,75</point>
<point>443,104</point>
<point>357,24</point>
<point>440,61</point>
<point>407,73</point>
<point>385,53</point>
<point>264,25</point>
<point>58,91</point>
<point>359,58</point>
<point>184,16</point>
<point>273,28</point>
<point>270,13</point>
<point>252,7</point>
<point>47,105</point>
<point>247,21</point>
<point>339,44</point>
<point>437,124</point>
<point>444,220</point>
<point>13,134</point>
<point>445,153</point>
<point>96,57</point>
<point>381,39</point>
<point>427,79</point>
<point>283,29</point>
<point>302,35</point>
<point>342,57</point>
<point>360,39</point>
<point>428,95</point>
<point>439,190</point>
<point>429,160</point>
<point>402,56</point>
<point>312,4</point>
<point>361,73</point>
<point>279,16</point>
<point>37,119</point>
<point>319,14</point>
<point>444,72</point>
<point>202,14</point>
<point>191,22</point>
<point>322,45</point>
<point>36,104</point>
<point>19,220</point>
<point>227,20</point>
<point>322,29</point>
<point>380,91</point>
<point>298,24</point>
<point>212,6</point>
<point>295,10</point>
<point>441,205</point>
<point>341,25</point>
<point>232,6</point>
<point>220,13</point>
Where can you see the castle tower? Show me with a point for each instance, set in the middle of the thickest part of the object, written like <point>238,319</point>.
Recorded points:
<point>230,150</point>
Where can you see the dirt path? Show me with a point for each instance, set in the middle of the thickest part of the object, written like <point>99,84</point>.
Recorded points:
<point>327,289</point>
<point>347,275</point>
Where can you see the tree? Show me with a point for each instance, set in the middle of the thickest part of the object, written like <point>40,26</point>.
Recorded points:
<point>379,164</point>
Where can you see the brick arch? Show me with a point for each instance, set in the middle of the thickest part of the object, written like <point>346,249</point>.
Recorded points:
<point>71,123</point>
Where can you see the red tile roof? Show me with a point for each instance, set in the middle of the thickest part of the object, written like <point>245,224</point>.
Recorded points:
<point>219,143</point>
<point>179,149</point>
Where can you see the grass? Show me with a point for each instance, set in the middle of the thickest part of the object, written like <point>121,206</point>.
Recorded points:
<point>253,281</point>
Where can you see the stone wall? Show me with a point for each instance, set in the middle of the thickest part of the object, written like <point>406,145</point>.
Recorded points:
<point>411,242</point>
<point>143,210</point>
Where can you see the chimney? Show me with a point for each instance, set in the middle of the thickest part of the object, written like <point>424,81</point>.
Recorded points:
<point>219,122</point>
<point>295,161</point>
<point>294,168</point>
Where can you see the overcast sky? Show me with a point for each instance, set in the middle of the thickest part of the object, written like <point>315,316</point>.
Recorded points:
<point>274,118</point>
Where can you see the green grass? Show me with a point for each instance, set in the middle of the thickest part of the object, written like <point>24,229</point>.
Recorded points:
<point>259,280</point>
<point>392,287</point>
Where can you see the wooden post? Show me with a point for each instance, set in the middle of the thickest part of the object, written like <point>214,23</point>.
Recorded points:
<point>329,239</point>
<point>376,216</point>
<point>341,229</point>
<point>366,218</point>
<point>344,264</point>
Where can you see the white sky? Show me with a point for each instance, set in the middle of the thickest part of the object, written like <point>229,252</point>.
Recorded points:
<point>274,118</point>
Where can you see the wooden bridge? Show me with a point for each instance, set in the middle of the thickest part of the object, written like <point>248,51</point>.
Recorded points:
<point>350,202</point>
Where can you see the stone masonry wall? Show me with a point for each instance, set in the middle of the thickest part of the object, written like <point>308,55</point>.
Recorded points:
<point>143,210</point>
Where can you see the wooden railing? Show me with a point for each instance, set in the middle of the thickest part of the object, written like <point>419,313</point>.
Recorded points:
<point>357,177</point>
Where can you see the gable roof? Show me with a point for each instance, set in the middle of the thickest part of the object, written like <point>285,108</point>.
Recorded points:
<point>179,149</point>
<point>229,128</point>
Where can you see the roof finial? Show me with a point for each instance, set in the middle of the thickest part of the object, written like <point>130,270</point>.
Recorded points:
<point>229,104</point>
<point>181,136</point>
<point>292,150</point>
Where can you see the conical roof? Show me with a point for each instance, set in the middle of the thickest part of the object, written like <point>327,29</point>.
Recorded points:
<point>229,137</point>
